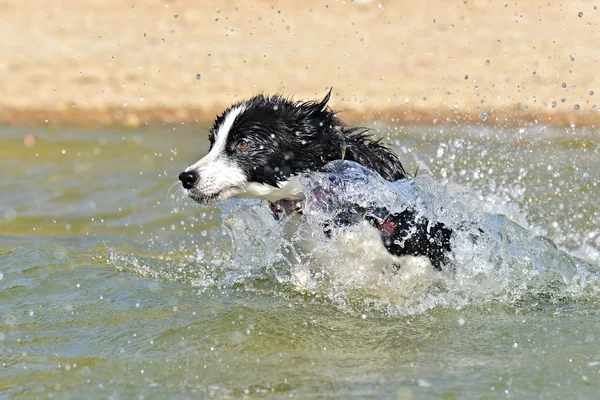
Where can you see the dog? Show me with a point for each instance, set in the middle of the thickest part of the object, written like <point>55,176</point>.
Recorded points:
<point>263,147</point>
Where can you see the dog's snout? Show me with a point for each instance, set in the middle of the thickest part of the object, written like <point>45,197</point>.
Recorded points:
<point>188,178</point>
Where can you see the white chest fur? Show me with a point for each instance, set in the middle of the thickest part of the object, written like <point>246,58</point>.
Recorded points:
<point>353,255</point>
<point>290,189</point>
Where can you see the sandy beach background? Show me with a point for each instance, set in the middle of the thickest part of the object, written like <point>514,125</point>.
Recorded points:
<point>114,62</point>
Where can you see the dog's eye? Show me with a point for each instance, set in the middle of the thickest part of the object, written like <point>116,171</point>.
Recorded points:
<point>242,144</point>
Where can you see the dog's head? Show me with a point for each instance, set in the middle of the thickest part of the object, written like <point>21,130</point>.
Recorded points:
<point>259,147</point>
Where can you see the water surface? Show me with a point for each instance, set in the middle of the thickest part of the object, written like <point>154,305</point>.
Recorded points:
<point>110,287</point>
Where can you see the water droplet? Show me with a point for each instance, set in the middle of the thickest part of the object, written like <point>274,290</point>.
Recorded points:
<point>576,106</point>
<point>466,76</point>
<point>197,77</point>
<point>562,100</point>
<point>554,103</point>
<point>423,382</point>
<point>176,15</point>
<point>464,1</point>
<point>487,62</point>
<point>580,14</point>
<point>572,58</point>
<point>591,92</point>
<point>483,116</point>
<point>564,85</point>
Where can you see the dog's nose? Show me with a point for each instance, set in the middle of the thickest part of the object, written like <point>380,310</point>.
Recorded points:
<point>188,178</point>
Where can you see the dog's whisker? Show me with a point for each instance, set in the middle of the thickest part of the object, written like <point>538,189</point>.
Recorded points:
<point>179,197</point>
<point>171,188</point>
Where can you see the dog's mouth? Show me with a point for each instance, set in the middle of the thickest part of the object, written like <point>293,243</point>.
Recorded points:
<point>208,199</point>
<point>202,199</point>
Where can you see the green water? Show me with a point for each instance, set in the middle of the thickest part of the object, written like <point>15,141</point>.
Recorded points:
<point>103,292</point>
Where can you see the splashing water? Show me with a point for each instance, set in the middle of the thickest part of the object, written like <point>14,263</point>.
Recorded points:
<point>494,260</point>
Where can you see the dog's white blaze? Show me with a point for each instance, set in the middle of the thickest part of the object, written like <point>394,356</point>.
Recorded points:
<point>216,171</point>
<point>223,131</point>
<point>220,138</point>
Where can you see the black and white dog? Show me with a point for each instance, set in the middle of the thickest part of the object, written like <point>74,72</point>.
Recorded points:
<point>261,148</point>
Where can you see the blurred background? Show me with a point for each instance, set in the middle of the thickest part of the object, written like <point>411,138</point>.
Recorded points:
<point>422,61</point>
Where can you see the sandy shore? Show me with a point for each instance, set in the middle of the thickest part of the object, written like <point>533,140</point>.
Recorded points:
<point>423,61</point>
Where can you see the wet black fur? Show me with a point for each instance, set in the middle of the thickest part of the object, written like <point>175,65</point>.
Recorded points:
<point>287,138</point>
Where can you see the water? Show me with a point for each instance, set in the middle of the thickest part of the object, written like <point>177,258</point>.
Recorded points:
<point>112,288</point>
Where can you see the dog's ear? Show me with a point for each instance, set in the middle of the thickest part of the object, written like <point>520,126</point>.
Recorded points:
<point>323,103</point>
<point>313,108</point>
